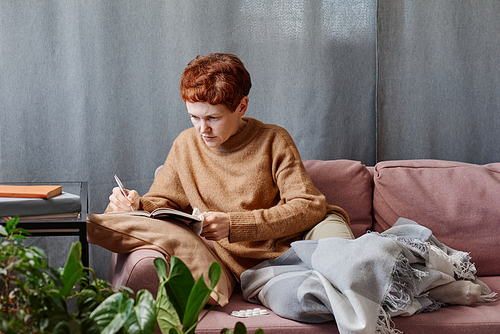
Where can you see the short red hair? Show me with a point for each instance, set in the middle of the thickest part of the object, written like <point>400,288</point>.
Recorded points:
<point>219,78</point>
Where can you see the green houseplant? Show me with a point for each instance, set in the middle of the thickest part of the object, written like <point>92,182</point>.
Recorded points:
<point>35,297</point>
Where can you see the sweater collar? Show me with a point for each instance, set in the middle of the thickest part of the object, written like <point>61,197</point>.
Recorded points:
<point>241,139</point>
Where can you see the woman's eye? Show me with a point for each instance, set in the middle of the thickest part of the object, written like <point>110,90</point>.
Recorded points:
<point>194,117</point>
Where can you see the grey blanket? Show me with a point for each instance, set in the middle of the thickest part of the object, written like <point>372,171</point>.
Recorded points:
<point>358,283</point>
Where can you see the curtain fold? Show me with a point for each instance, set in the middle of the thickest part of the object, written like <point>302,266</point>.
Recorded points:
<point>438,92</point>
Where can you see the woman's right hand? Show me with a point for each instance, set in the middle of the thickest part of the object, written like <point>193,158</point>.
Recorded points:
<point>120,203</point>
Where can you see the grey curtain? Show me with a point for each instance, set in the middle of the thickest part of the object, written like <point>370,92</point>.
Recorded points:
<point>89,89</point>
<point>439,80</point>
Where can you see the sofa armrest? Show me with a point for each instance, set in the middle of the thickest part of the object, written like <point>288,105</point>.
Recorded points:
<point>135,270</point>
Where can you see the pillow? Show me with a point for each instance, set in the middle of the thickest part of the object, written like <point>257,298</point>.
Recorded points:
<point>459,202</point>
<point>348,184</point>
<point>125,233</point>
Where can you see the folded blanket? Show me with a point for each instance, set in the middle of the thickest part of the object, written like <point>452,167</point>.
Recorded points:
<point>358,283</point>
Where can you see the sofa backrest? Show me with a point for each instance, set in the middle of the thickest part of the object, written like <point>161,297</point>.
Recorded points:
<point>459,202</point>
<point>348,184</point>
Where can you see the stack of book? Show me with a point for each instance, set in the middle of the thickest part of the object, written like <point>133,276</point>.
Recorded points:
<point>36,202</point>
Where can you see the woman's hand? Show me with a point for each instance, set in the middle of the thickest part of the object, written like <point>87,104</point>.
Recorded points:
<point>120,203</point>
<point>215,226</point>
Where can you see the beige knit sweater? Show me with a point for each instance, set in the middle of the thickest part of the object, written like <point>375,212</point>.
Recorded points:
<point>256,176</point>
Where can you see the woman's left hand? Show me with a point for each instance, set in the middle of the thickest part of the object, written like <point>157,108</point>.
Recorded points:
<point>215,226</point>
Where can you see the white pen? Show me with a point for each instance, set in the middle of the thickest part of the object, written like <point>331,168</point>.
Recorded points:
<point>120,185</point>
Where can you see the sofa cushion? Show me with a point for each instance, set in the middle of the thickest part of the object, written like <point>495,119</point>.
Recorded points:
<point>220,317</point>
<point>135,270</point>
<point>459,202</point>
<point>348,184</point>
<point>481,318</point>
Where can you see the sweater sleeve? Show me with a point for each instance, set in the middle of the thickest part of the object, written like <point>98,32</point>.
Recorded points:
<point>166,190</point>
<point>300,206</point>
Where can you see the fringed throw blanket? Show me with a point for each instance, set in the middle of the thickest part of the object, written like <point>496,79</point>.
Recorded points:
<point>358,283</point>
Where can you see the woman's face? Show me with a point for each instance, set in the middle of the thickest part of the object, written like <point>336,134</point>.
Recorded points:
<point>216,123</point>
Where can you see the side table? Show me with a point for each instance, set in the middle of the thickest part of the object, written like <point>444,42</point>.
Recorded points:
<point>64,226</point>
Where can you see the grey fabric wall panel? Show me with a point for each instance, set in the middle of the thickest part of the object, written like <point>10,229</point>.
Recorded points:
<point>90,88</point>
<point>439,80</point>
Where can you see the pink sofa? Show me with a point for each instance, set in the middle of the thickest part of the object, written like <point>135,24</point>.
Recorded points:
<point>459,202</point>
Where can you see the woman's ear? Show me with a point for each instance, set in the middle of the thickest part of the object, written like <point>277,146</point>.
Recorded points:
<point>242,107</point>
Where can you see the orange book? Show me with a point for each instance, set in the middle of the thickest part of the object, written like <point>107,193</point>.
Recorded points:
<point>30,191</point>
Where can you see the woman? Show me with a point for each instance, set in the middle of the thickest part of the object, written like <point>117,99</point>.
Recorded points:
<point>249,180</point>
<point>246,175</point>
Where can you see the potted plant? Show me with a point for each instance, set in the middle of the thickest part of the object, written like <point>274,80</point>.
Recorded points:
<point>35,297</point>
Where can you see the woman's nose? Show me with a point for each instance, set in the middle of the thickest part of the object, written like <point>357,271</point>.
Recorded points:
<point>204,128</point>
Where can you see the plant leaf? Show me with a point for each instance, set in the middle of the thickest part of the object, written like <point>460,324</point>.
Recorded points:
<point>161,267</point>
<point>239,328</point>
<point>3,231</point>
<point>62,327</point>
<point>86,301</point>
<point>11,224</point>
<point>73,268</point>
<point>23,232</point>
<point>167,317</point>
<point>196,301</point>
<point>178,285</point>
<point>214,274</point>
<point>113,312</point>
<point>142,320</point>
<point>89,326</point>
